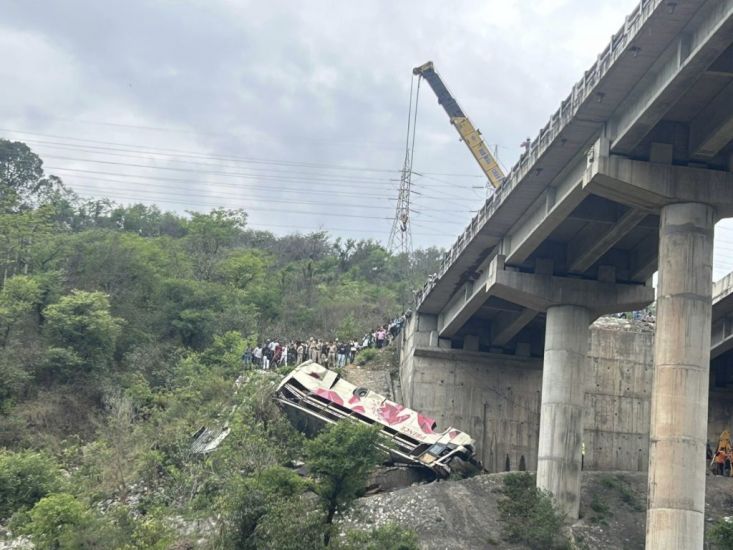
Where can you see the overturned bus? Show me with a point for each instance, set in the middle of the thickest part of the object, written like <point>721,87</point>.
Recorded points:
<point>314,396</point>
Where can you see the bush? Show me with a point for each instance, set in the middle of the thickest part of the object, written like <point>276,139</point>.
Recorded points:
<point>253,498</point>
<point>61,521</point>
<point>341,457</point>
<point>57,521</point>
<point>365,355</point>
<point>528,513</point>
<point>387,537</point>
<point>291,524</point>
<point>721,534</point>
<point>25,478</point>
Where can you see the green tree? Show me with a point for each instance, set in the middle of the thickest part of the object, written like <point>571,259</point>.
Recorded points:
<point>25,478</point>
<point>55,519</point>
<point>251,499</point>
<point>81,324</point>
<point>341,457</point>
<point>18,298</point>
<point>209,235</point>
<point>21,172</point>
<point>244,268</point>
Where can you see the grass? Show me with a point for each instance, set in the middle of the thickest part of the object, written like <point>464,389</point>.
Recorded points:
<point>624,490</point>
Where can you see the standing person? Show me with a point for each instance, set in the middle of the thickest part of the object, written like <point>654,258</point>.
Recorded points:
<point>353,350</point>
<point>323,360</point>
<point>277,355</point>
<point>257,356</point>
<point>247,358</point>
<point>266,357</point>
<point>719,463</point>
<point>313,350</point>
<point>380,336</point>
<point>299,352</point>
<point>341,352</point>
<point>332,355</point>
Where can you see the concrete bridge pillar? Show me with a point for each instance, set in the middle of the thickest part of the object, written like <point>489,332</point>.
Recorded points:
<point>561,414</point>
<point>571,305</point>
<point>689,200</point>
<point>676,504</point>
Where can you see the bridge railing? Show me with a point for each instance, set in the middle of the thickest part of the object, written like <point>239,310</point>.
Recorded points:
<point>580,92</point>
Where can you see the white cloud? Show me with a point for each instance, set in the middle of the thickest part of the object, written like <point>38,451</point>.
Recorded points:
<point>322,82</point>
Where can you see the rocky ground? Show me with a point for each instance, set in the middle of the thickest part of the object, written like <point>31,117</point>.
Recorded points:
<point>381,374</point>
<point>464,514</point>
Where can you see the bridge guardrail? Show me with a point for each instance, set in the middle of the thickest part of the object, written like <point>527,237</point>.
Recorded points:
<point>580,92</point>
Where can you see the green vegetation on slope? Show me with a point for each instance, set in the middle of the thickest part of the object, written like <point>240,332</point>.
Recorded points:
<point>121,334</point>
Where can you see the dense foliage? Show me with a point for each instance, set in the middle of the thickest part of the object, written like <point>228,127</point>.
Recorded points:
<point>529,515</point>
<point>121,334</point>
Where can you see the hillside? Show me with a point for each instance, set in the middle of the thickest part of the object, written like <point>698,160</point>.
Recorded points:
<point>123,329</point>
<point>465,514</point>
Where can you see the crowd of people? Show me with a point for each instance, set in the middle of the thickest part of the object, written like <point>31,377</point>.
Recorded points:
<point>331,354</point>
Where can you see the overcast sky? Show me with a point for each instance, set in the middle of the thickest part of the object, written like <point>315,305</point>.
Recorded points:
<point>294,111</point>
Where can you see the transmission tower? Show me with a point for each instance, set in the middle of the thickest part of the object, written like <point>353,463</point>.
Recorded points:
<point>400,237</point>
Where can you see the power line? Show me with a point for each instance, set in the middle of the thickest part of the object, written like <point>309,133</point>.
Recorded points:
<point>163,200</point>
<point>148,189</point>
<point>252,160</point>
<point>317,178</point>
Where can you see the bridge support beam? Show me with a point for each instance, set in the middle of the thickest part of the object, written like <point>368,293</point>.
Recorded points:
<point>561,413</point>
<point>571,305</point>
<point>675,515</point>
<point>689,200</point>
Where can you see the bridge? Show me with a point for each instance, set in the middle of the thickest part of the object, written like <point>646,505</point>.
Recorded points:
<point>626,179</point>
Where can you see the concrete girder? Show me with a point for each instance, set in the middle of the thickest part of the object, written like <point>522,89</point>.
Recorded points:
<point>503,330</point>
<point>651,186</point>
<point>712,129</point>
<point>721,339</point>
<point>540,292</point>
<point>585,250</point>
<point>643,259</point>
<point>548,212</point>
<point>688,56</point>
<point>464,304</point>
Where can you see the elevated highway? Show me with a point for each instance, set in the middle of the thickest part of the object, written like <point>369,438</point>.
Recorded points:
<point>628,177</point>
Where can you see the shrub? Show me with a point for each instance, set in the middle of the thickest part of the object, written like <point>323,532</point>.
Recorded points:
<point>365,355</point>
<point>25,478</point>
<point>291,524</point>
<point>721,534</point>
<point>341,457</point>
<point>387,537</point>
<point>56,520</point>
<point>624,490</point>
<point>528,514</point>
<point>254,497</point>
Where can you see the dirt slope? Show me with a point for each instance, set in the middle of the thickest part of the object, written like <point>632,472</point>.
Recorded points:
<point>463,514</point>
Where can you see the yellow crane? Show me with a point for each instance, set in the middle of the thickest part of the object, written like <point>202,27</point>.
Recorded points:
<point>469,135</point>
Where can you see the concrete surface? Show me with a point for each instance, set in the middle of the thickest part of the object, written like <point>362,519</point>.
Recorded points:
<point>678,433</point>
<point>561,409</point>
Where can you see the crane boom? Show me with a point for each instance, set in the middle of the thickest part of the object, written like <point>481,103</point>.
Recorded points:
<point>469,135</point>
